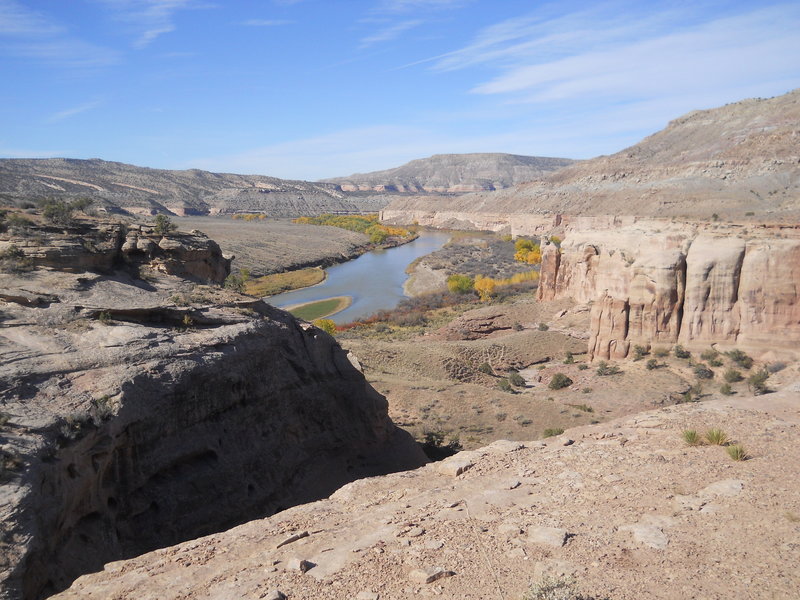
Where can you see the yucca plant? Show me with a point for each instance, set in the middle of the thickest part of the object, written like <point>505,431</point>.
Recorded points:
<point>717,437</point>
<point>691,437</point>
<point>737,452</point>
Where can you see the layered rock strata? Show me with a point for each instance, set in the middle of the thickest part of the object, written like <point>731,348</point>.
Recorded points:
<point>137,414</point>
<point>690,285</point>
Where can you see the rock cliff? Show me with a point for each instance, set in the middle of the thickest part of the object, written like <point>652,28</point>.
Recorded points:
<point>137,414</point>
<point>666,283</point>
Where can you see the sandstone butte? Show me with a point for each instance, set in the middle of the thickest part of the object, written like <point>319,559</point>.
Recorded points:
<point>142,408</point>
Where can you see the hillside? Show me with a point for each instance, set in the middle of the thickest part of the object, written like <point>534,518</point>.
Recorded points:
<point>140,190</point>
<point>454,173</point>
<point>737,159</point>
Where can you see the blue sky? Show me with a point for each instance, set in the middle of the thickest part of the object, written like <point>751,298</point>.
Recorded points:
<point>320,88</point>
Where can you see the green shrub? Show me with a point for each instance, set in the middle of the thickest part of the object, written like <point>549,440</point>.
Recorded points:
<point>726,389</point>
<point>691,437</point>
<point>105,317</point>
<point>703,372</point>
<point>639,352</point>
<point>543,327</point>
<point>569,359</point>
<point>661,352</point>
<point>604,369</point>
<point>709,354</point>
<point>516,379</point>
<point>486,368</point>
<point>553,431</point>
<point>4,419</point>
<point>583,367</point>
<point>559,381</point>
<point>680,352</point>
<point>582,407</point>
<point>163,225</point>
<point>717,437</point>
<point>740,358</point>
<point>715,362</point>
<point>505,385</point>
<point>587,390</point>
<point>550,588</point>
<point>460,284</point>
<point>757,382</point>
<point>652,364</point>
<point>737,452</point>
<point>732,376</point>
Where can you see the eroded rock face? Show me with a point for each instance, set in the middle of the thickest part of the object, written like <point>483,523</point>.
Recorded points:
<point>653,286</point>
<point>159,423</point>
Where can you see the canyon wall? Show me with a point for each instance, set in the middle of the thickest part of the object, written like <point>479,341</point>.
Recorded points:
<point>137,414</point>
<point>695,285</point>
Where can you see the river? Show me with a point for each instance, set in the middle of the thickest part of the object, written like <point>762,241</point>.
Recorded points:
<point>373,280</point>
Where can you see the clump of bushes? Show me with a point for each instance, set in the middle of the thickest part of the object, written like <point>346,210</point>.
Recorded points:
<point>516,379</point>
<point>505,385</point>
<point>740,358</point>
<point>553,431</point>
<point>680,352</point>
<point>163,225</point>
<point>569,359</point>
<point>639,352</point>
<point>604,369</point>
<point>460,284</point>
<point>726,389</point>
<point>327,325</point>
<point>703,372</point>
<point>652,364</point>
<point>732,376</point>
<point>757,382</point>
<point>436,448</point>
<point>559,381</point>
<point>486,368</point>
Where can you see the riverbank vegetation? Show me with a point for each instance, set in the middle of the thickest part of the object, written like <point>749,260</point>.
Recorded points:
<point>311,311</point>
<point>277,283</point>
<point>367,224</point>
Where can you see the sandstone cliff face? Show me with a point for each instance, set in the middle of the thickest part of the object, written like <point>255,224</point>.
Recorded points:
<point>105,246</point>
<point>134,423</point>
<point>690,285</point>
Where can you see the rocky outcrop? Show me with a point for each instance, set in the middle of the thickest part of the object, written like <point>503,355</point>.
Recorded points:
<point>691,285</point>
<point>139,414</point>
<point>105,246</point>
<point>625,508</point>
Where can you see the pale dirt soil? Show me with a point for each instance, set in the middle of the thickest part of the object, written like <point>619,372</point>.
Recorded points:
<point>628,509</point>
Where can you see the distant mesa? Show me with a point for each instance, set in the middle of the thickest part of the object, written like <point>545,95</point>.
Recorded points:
<point>453,174</point>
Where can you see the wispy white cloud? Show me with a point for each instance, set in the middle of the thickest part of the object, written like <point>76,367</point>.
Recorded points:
<point>75,110</point>
<point>598,53</point>
<point>149,18</point>
<point>389,33</point>
<point>266,22</point>
<point>32,35</point>
<point>399,6</point>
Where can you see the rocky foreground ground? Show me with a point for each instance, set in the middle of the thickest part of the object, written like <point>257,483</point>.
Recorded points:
<point>627,508</point>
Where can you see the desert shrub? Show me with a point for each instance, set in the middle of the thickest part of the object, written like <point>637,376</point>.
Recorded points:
<point>740,358</point>
<point>413,318</point>
<point>14,260</point>
<point>553,431</point>
<point>104,317</point>
<point>569,359</point>
<point>543,327</point>
<point>715,362</point>
<point>737,452</point>
<point>516,379</point>
<point>703,372</point>
<point>709,354</point>
<point>518,327</point>
<point>717,437</point>
<point>62,213</point>
<point>661,352</point>
<point>505,385</point>
<point>586,390</point>
<point>236,281</point>
<point>680,352</point>
<point>726,389</point>
<point>732,376</point>
<point>434,445</point>
<point>639,352</point>
<point>163,225</point>
<point>4,419</point>
<point>327,325</point>
<point>757,382</point>
<point>559,381</point>
<point>691,437</point>
<point>583,367</point>
<point>582,407</point>
<point>486,368</point>
<point>550,588</point>
<point>604,369</point>
<point>652,364</point>
<point>460,284</point>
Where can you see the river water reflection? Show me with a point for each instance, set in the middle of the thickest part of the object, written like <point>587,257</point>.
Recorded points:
<point>374,280</point>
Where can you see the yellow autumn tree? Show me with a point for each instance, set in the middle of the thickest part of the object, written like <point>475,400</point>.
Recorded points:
<point>485,287</point>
